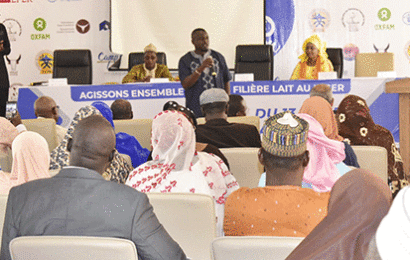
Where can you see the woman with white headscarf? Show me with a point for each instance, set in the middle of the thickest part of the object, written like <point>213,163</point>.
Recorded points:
<point>177,167</point>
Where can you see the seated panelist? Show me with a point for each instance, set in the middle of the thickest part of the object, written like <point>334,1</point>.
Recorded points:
<point>149,69</point>
<point>313,60</point>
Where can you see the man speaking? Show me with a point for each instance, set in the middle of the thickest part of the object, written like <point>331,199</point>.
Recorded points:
<point>202,69</point>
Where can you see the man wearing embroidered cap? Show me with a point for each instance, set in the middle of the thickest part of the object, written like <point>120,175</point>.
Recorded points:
<point>149,69</point>
<point>217,130</point>
<point>283,207</point>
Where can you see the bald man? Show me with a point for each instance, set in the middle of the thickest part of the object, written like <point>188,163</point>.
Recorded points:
<point>121,109</point>
<point>46,107</point>
<point>324,91</point>
<point>79,202</point>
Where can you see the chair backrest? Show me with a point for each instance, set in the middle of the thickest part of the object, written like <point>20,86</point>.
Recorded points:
<point>250,120</point>
<point>189,219</point>
<point>373,158</point>
<point>244,165</point>
<point>72,247</point>
<point>139,128</point>
<point>368,64</point>
<point>75,65</point>
<point>46,127</point>
<point>335,55</point>
<point>3,206</point>
<point>6,161</point>
<point>256,59</point>
<point>135,58</point>
<point>254,247</point>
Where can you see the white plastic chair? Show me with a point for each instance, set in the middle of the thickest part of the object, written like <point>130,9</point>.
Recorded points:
<point>244,165</point>
<point>372,158</point>
<point>72,247</point>
<point>189,219</point>
<point>254,247</point>
<point>139,128</point>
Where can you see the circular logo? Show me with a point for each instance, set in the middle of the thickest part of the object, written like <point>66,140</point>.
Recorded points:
<point>384,14</point>
<point>44,62</point>
<point>40,24</point>
<point>319,20</point>
<point>13,28</point>
<point>82,26</point>
<point>407,50</point>
<point>279,20</point>
<point>352,19</point>
<point>406,18</point>
<point>350,51</point>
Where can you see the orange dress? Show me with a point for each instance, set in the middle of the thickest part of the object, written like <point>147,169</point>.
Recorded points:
<point>274,211</point>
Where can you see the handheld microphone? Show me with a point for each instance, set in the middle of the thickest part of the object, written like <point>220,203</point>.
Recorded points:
<point>212,69</point>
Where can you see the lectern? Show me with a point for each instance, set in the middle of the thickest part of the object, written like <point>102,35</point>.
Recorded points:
<point>402,87</point>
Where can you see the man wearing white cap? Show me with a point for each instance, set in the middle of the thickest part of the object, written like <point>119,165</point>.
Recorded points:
<point>217,130</point>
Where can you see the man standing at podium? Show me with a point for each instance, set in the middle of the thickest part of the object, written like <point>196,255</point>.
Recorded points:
<point>202,69</point>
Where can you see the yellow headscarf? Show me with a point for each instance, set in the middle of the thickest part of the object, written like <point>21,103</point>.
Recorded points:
<point>320,45</point>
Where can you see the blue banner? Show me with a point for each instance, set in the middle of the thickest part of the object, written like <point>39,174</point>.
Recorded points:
<point>279,20</point>
<point>290,87</point>
<point>127,91</point>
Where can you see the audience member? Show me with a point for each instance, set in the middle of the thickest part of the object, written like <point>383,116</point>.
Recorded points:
<point>117,171</point>
<point>125,143</point>
<point>7,134</point>
<point>31,160</point>
<point>121,109</point>
<point>4,76</point>
<point>236,105</point>
<point>46,107</point>
<point>149,69</point>
<point>320,109</point>
<point>283,207</point>
<point>78,201</point>
<point>356,125</point>
<point>390,240</point>
<point>358,202</point>
<point>202,69</point>
<point>217,130</point>
<point>177,167</point>
<point>326,155</point>
<point>313,60</point>
<point>324,91</point>
<point>200,147</point>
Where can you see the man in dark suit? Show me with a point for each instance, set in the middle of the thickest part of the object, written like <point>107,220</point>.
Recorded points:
<point>78,201</point>
<point>217,130</point>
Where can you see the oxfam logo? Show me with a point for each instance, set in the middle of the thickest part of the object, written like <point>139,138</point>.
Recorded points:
<point>40,24</point>
<point>384,14</point>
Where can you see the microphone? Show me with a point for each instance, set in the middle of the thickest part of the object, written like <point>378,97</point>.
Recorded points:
<point>212,69</point>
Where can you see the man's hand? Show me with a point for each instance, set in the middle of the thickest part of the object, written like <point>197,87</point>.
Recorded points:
<point>146,79</point>
<point>207,63</point>
<point>16,120</point>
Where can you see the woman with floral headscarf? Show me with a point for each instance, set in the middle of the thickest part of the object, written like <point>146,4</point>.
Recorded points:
<point>117,171</point>
<point>178,167</point>
<point>357,127</point>
<point>313,60</point>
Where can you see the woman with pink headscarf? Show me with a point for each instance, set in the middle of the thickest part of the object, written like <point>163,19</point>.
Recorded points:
<point>177,167</point>
<point>31,161</point>
<point>7,134</point>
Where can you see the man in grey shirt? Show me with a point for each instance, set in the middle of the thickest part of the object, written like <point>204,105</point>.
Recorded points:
<point>79,202</point>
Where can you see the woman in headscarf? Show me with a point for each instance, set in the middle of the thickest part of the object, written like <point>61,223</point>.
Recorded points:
<point>313,60</point>
<point>117,171</point>
<point>358,202</point>
<point>200,147</point>
<point>7,134</point>
<point>177,167</point>
<point>321,110</point>
<point>149,69</point>
<point>31,160</point>
<point>125,143</point>
<point>356,125</point>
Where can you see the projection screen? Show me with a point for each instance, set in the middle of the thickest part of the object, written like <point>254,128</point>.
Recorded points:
<point>168,25</point>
